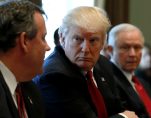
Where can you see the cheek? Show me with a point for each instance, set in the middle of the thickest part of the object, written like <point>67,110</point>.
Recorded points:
<point>96,50</point>
<point>140,55</point>
<point>70,53</point>
<point>95,55</point>
<point>139,58</point>
<point>121,57</point>
<point>39,53</point>
<point>72,50</point>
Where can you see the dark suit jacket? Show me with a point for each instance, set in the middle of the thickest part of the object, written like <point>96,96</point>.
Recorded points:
<point>64,89</point>
<point>129,97</point>
<point>32,99</point>
<point>144,79</point>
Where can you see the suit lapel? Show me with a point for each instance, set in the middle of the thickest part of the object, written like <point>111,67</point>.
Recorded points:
<point>32,99</point>
<point>126,87</point>
<point>11,105</point>
<point>28,100</point>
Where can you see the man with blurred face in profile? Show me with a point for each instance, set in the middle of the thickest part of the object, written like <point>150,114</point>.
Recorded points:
<point>22,51</point>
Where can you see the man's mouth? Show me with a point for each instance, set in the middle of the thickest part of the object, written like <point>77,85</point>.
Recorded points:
<point>84,59</point>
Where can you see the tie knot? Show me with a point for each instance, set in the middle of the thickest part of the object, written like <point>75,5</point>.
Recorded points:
<point>89,74</point>
<point>135,80</point>
<point>18,89</point>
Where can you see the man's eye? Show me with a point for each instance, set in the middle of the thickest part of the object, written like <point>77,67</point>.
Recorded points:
<point>43,38</point>
<point>138,47</point>
<point>94,40</point>
<point>78,39</point>
<point>125,47</point>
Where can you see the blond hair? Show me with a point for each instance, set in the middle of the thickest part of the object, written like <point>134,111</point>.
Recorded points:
<point>90,18</point>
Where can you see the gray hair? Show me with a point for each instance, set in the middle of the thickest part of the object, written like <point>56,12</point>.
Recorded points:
<point>123,27</point>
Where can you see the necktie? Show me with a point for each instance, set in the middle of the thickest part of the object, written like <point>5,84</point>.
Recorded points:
<point>20,102</point>
<point>143,95</point>
<point>96,96</point>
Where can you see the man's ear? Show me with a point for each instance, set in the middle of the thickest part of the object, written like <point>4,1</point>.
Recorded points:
<point>62,41</point>
<point>110,50</point>
<point>24,42</point>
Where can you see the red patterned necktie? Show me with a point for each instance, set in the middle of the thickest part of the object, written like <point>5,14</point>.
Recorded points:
<point>20,102</point>
<point>96,96</point>
<point>143,95</point>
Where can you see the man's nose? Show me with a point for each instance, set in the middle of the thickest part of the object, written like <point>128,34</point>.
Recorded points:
<point>132,51</point>
<point>85,46</point>
<point>47,47</point>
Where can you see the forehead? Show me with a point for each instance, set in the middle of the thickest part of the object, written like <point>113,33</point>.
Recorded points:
<point>39,19</point>
<point>75,30</point>
<point>130,37</point>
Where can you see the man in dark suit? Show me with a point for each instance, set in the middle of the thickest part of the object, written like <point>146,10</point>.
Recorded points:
<point>22,50</point>
<point>125,42</point>
<point>63,84</point>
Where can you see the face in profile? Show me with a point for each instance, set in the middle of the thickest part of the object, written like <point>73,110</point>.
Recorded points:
<point>128,50</point>
<point>82,47</point>
<point>38,46</point>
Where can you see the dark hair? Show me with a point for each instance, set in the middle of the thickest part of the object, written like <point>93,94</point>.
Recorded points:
<point>17,17</point>
<point>37,2</point>
<point>56,37</point>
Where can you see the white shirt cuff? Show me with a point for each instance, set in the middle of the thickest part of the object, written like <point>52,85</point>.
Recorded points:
<point>123,115</point>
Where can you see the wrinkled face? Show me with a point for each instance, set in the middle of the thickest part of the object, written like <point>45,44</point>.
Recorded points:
<point>83,47</point>
<point>128,50</point>
<point>38,46</point>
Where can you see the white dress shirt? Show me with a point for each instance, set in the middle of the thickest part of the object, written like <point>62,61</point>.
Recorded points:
<point>9,79</point>
<point>11,82</point>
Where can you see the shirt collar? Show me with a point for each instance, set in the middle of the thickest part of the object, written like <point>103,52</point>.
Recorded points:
<point>9,77</point>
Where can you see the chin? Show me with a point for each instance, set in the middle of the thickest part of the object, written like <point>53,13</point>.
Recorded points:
<point>86,68</point>
<point>130,70</point>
